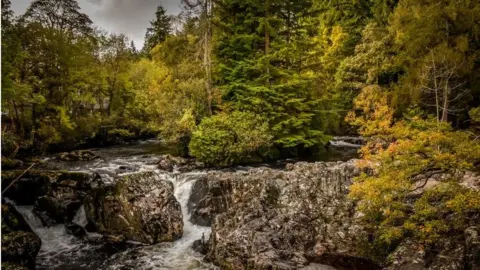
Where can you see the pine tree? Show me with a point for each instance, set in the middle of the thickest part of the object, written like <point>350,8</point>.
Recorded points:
<point>159,30</point>
<point>262,46</point>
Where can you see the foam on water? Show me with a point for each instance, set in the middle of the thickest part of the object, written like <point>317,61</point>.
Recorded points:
<point>176,255</point>
<point>60,250</point>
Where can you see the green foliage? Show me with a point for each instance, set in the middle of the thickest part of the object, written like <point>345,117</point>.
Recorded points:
<point>475,114</point>
<point>158,31</point>
<point>402,199</point>
<point>261,69</point>
<point>227,139</point>
<point>300,65</point>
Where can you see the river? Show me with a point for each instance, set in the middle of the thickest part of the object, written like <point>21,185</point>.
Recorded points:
<point>60,250</point>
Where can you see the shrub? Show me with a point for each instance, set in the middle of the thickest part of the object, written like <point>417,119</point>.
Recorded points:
<point>227,139</point>
<point>396,202</point>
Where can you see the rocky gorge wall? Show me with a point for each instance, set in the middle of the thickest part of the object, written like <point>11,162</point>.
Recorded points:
<point>265,218</point>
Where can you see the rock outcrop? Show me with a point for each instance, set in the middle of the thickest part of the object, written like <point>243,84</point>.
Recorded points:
<point>139,207</point>
<point>80,155</point>
<point>209,198</point>
<point>33,184</point>
<point>57,195</point>
<point>20,245</point>
<point>302,218</point>
<point>171,163</point>
<point>64,196</point>
<point>283,219</point>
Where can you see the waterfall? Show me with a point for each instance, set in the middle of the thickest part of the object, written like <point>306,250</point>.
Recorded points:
<point>60,250</point>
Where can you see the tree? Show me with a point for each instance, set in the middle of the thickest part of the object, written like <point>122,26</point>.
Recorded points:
<point>441,29</point>
<point>227,139</point>
<point>203,10</point>
<point>61,15</point>
<point>159,30</point>
<point>415,190</point>
<point>117,58</point>
<point>261,48</point>
<point>440,85</point>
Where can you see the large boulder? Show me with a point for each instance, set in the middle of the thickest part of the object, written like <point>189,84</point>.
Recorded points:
<point>284,219</point>
<point>139,207</point>
<point>20,245</point>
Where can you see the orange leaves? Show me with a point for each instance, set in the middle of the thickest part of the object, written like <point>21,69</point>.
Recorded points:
<point>376,115</point>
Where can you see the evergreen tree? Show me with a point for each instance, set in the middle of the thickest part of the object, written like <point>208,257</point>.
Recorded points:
<point>261,50</point>
<point>159,30</point>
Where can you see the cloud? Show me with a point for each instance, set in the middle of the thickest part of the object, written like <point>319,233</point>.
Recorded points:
<point>131,17</point>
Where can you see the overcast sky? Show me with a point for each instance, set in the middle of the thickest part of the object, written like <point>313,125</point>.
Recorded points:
<point>131,17</point>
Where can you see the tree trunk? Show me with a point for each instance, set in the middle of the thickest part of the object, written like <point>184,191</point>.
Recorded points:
<point>207,62</point>
<point>267,35</point>
<point>445,104</point>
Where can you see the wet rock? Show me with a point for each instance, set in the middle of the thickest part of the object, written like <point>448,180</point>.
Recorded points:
<point>20,245</point>
<point>170,163</point>
<point>75,229</point>
<point>51,211</point>
<point>126,169</point>
<point>208,199</point>
<point>64,197</point>
<point>37,183</point>
<point>13,266</point>
<point>31,185</point>
<point>200,245</point>
<point>140,207</point>
<point>80,155</point>
<point>285,219</point>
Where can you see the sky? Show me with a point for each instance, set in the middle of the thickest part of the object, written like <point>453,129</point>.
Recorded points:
<point>130,17</point>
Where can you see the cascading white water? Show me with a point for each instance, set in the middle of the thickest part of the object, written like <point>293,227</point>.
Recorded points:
<point>60,250</point>
<point>57,247</point>
<point>176,255</point>
<point>81,217</point>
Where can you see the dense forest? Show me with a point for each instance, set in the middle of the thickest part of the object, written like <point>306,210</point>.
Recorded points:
<point>239,81</point>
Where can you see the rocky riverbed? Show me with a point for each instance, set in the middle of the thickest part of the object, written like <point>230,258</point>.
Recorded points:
<point>130,207</point>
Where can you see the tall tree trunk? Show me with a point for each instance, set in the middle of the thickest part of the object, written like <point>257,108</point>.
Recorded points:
<point>207,58</point>
<point>267,35</point>
<point>445,104</point>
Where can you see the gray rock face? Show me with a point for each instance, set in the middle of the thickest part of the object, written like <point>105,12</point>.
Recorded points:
<point>449,254</point>
<point>170,163</point>
<point>20,245</point>
<point>139,207</point>
<point>273,219</point>
<point>209,198</point>
<point>301,217</point>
